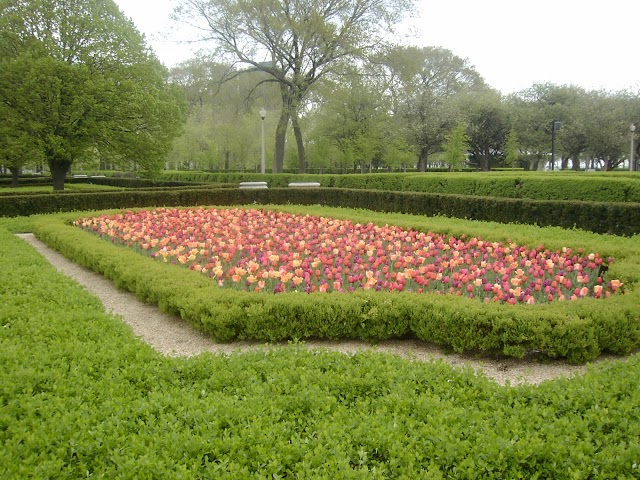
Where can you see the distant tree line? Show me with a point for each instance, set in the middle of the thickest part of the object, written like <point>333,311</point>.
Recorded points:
<point>405,108</point>
<point>80,88</point>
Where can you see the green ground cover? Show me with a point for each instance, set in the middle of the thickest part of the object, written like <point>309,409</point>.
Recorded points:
<point>69,187</point>
<point>576,330</point>
<point>81,397</point>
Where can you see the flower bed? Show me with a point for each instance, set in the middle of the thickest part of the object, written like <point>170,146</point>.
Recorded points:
<point>270,251</point>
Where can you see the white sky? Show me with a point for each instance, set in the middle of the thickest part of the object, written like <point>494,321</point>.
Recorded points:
<point>512,44</point>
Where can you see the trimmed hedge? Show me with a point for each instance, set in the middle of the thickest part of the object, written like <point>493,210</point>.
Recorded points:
<point>619,187</point>
<point>126,182</point>
<point>23,181</point>
<point>82,397</point>
<point>578,330</point>
<point>598,217</point>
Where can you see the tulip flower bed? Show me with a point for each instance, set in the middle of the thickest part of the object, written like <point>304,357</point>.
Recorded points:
<point>576,330</point>
<point>82,397</point>
<point>269,251</point>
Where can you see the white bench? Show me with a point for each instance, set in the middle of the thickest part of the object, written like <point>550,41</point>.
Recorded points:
<point>304,185</point>
<point>253,185</point>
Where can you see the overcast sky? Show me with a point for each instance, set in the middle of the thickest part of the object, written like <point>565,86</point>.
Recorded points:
<point>512,44</point>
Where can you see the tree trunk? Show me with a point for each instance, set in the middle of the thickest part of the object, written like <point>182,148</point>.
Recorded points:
<point>281,130</point>
<point>575,162</point>
<point>15,172</point>
<point>59,169</point>
<point>485,161</point>
<point>302,160</point>
<point>281,136</point>
<point>423,158</point>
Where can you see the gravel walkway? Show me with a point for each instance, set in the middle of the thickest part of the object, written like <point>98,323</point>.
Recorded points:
<point>172,336</point>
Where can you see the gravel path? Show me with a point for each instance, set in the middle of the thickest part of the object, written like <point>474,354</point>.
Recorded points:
<point>172,336</point>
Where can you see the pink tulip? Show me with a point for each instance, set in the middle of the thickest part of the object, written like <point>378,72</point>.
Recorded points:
<point>305,253</point>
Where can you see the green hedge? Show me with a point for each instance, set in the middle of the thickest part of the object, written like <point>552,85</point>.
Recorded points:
<point>82,397</point>
<point>578,331</point>
<point>619,187</point>
<point>599,217</point>
<point>22,181</point>
<point>126,182</point>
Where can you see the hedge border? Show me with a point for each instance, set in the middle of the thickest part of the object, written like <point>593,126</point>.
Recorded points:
<point>578,331</point>
<point>598,217</point>
<point>613,187</point>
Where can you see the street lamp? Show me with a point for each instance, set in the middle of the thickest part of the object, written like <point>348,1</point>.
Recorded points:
<point>263,114</point>
<point>632,166</point>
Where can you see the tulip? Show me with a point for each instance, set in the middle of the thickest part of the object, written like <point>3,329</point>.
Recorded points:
<point>260,245</point>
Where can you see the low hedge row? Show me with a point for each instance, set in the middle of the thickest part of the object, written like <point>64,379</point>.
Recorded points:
<point>30,180</point>
<point>533,185</point>
<point>126,182</point>
<point>87,188</point>
<point>578,331</point>
<point>598,217</point>
<point>82,397</point>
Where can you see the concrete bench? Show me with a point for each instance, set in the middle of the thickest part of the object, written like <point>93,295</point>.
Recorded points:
<point>253,185</point>
<point>79,176</point>
<point>304,185</point>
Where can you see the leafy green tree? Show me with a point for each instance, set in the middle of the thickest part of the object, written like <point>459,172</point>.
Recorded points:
<point>456,146</point>
<point>595,124</point>
<point>16,151</point>
<point>512,149</point>
<point>606,122</point>
<point>425,84</point>
<point>295,42</point>
<point>352,116</point>
<point>223,129</point>
<point>76,76</point>
<point>487,127</point>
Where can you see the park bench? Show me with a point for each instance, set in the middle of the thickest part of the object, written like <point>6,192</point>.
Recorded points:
<point>304,185</point>
<point>253,185</point>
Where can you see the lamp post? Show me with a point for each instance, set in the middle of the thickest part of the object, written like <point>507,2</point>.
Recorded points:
<point>632,166</point>
<point>263,114</point>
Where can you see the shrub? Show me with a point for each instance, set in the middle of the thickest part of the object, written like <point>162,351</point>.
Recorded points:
<point>578,331</point>
<point>82,397</point>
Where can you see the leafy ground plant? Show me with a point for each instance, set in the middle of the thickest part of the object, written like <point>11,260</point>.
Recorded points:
<point>577,330</point>
<point>81,397</point>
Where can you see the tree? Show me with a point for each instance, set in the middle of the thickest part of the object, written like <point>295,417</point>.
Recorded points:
<point>76,76</point>
<point>425,84</point>
<point>487,127</point>
<point>512,149</point>
<point>607,119</point>
<point>456,147</point>
<point>295,42</point>
<point>223,128</point>
<point>594,124</point>
<point>16,151</point>
<point>351,115</point>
